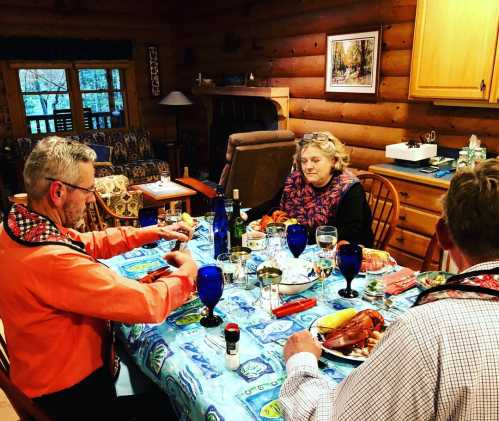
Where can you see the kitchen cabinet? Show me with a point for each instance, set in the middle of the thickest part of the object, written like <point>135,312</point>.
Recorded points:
<point>456,51</point>
<point>420,209</point>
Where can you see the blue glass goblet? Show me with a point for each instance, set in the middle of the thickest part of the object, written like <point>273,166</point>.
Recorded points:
<point>296,236</point>
<point>349,260</point>
<point>210,283</point>
<point>148,217</point>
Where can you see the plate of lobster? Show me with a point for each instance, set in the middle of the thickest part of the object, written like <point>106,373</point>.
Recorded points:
<point>349,334</point>
<point>277,217</point>
<point>376,261</point>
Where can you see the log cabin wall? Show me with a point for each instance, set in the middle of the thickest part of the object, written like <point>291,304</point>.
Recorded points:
<point>143,23</point>
<point>283,44</point>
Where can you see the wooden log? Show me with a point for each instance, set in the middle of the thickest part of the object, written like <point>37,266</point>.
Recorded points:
<point>398,36</point>
<point>356,15</point>
<point>396,63</point>
<point>417,115</point>
<point>27,16</point>
<point>394,88</point>
<point>458,141</point>
<point>375,137</point>
<point>362,158</point>
<point>301,87</point>
<point>393,63</point>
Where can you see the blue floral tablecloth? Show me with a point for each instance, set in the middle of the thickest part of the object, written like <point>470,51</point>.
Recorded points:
<point>187,360</point>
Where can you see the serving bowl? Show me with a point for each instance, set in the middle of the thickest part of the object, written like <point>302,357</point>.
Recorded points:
<point>297,274</point>
<point>426,280</point>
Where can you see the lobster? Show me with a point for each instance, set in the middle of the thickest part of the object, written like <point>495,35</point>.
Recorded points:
<point>355,332</point>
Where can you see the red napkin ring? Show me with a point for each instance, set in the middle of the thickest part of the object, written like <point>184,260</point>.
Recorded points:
<point>294,307</point>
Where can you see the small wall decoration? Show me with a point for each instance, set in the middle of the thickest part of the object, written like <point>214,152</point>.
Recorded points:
<point>352,65</point>
<point>153,63</point>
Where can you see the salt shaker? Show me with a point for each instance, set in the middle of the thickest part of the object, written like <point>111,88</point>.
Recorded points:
<point>232,346</point>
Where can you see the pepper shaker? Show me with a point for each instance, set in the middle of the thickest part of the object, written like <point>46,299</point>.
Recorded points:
<point>232,346</point>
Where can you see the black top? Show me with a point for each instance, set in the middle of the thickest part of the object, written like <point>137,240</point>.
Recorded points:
<point>353,218</point>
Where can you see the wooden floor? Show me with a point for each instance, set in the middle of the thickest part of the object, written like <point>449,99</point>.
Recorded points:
<point>7,413</point>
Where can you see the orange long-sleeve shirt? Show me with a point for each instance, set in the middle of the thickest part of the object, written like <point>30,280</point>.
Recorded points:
<point>54,303</point>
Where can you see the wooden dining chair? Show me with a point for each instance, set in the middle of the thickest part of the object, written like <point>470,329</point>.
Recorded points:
<point>384,202</point>
<point>24,406</point>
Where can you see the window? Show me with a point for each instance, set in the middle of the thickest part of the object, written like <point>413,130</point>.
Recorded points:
<point>73,97</point>
<point>102,97</point>
<point>44,91</point>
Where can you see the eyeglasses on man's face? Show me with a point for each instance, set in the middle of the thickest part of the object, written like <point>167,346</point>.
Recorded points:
<point>74,186</point>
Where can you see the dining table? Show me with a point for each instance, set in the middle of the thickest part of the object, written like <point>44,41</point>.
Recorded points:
<point>187,360</point>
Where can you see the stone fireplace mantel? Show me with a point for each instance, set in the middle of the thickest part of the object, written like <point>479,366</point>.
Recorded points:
<point>278,95</point>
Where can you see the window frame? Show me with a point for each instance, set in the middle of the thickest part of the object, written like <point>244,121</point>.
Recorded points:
<point>16,103</point>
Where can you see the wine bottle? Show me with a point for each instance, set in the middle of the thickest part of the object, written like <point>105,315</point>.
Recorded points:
<point>220,224</point>
<point>236,224</point>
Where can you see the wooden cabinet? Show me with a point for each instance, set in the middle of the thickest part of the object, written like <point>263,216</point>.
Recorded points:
<point>454,50</point>
<point>420,210</point>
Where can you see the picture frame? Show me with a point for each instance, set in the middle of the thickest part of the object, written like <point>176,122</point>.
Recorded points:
<point>352,65</point>
<point>153,66</point>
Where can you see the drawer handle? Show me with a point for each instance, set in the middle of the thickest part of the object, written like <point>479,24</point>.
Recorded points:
<point>402,217</point>
<point>404,194</point>
<point>400,239</point>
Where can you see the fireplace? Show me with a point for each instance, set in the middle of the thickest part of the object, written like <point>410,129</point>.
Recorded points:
<point>234,109</point>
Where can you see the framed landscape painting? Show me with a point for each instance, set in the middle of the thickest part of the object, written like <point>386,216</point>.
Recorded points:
<point>352,65</point>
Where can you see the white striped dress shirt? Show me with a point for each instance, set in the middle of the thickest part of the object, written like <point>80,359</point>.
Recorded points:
<point>439,361</point>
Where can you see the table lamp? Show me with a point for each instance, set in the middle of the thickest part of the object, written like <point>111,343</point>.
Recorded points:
<point>176,99</point>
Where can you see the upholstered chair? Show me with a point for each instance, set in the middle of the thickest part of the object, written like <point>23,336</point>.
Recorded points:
<point>116,205</point>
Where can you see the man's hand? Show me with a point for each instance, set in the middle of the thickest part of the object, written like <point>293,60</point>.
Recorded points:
<point>183,261</point>
<point>178,231</point>
<point>302,342</point>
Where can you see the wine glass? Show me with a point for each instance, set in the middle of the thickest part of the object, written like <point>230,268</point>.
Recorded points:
<point>323,268</point>
<point>349,260</point>
<point>296,237</point>
<point>210,284</point>
<point>148,217</point>
<point>326,237</point>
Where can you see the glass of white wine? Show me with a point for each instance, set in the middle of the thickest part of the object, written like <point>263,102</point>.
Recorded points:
<point>323,267</point>
<point>326,237</point>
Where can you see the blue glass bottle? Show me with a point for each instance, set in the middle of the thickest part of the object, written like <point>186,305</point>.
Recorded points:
<point>220,224</point>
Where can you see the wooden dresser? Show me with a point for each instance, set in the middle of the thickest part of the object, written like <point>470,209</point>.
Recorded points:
<point>420,209</point>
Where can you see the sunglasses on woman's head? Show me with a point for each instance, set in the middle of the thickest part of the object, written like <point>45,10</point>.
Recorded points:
<point>318,137</point>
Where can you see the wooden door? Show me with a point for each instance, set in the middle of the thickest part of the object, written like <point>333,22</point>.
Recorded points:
<point>454,49</point>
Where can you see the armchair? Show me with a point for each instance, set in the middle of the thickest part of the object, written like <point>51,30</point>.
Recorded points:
<point>257,164</point>
<point>114,205</point>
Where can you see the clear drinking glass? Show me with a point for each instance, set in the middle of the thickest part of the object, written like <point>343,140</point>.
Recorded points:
<point>326,237</point>
<point>269,278</point>
<point>229,268</point>
<point>228,208</point>
<point>276,237</point>
<point>173,212</point>
<point>239,256</point>
<point>374,290</point>
<point>164,175</point>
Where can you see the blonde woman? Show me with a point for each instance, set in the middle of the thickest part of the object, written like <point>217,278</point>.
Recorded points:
<point>322,191</point>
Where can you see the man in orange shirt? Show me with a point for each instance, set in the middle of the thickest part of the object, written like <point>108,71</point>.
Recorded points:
<point>55,296</point>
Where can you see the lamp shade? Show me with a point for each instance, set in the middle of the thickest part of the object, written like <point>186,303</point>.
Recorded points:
<point>175,98</point>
